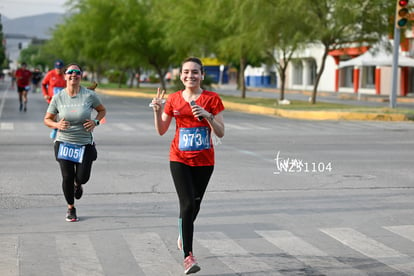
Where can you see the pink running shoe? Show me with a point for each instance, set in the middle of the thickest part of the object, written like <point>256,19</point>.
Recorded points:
<point>190,264</point>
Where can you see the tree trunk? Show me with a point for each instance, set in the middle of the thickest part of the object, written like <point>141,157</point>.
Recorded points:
<point>242,81</point>
<point>282,73</point>
<point>138,70</point>
<point>131,80</point>
<point>319,75</point>
<point>162,79</point>
<point>120,78</point>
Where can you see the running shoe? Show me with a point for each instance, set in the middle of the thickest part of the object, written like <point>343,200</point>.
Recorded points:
<point>179,243</point>
<point>21,107</point>
<point>78,191</point>
<point>71,215</point>
<point>190,264</point>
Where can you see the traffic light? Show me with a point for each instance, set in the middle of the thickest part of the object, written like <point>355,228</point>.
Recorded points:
<point>401,15</point>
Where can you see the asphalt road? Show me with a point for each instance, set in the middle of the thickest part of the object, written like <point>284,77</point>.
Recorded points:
<point>288,197</point>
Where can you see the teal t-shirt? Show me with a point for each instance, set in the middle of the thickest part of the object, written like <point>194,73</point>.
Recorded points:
<point>75,110</point>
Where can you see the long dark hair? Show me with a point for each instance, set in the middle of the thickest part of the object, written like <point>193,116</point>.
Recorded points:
<point>195,60</point>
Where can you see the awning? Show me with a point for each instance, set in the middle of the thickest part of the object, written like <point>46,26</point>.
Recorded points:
<point>377,58</point>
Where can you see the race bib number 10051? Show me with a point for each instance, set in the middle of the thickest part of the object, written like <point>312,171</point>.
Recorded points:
<point>194,139</point>
<point>71,152</point>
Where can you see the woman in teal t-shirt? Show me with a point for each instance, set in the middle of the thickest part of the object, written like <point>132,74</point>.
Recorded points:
<point>70,112</point>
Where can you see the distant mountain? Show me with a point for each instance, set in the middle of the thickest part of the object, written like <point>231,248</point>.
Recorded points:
<point>38,26</point>
<point>4,18</point>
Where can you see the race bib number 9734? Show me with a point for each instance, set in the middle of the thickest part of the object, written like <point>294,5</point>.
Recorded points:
<point>71,152</point>
<point>194,139</point>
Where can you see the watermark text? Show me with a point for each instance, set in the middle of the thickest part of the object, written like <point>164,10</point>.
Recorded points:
<point>294,165</point>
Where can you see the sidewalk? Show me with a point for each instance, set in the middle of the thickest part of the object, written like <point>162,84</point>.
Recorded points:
<point>294,95</point>
<point>340,97</point>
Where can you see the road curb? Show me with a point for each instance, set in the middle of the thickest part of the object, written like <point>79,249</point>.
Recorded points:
<point>340,95</point>
<point>314,115</point>
<point>124,93</point>
<point>292,114</point>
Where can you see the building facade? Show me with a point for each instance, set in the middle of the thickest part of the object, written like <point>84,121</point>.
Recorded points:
<point>374,78</point>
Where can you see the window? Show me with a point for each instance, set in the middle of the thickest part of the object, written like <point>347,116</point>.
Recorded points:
<point>311,72</point>
<point>347,76</point>
<point>297,72</point>
<point>368,77</point>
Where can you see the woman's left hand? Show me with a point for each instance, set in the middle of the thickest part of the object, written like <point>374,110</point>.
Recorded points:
<point>198,111</point>
<point>89,125</point>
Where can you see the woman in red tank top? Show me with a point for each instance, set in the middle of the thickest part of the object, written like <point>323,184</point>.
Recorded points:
<point>198,115</point>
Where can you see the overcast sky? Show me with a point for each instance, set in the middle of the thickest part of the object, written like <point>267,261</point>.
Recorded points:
<point>18,8</point>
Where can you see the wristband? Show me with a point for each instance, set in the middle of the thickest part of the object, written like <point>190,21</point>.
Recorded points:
<point>96,122</point>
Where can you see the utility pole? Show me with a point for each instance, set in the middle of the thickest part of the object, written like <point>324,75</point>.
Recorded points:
<point>401,20</point>
<point>395,55</point>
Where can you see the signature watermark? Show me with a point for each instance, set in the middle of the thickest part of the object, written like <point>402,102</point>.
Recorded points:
<point>293,165</point>
<point>215,140</point>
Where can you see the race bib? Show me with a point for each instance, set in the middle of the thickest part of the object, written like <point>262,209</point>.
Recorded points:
<point>56,90</point>
<point>71,152</point>
<point>194,139</point>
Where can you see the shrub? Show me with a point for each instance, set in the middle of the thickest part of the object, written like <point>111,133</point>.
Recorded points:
<point>116,76</point>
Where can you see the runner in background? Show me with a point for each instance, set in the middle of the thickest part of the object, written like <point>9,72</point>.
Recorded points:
<point>37,76</point>
<point>23,77</point>
<point>53,82</point>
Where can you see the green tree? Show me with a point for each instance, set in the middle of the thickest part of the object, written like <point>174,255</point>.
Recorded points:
<point>340,23</point>
<point>33,57</point>
<point>107,34</point>
<point>138,40</point>
<point>228,30</point>
<point>85,34</point>
<point>241,39</point>
<point>185,30</point>
<point>3,58</point>
<point>282,35</point>
<point>187,27</point>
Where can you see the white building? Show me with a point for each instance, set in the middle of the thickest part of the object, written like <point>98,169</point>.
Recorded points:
<point>371,78</point>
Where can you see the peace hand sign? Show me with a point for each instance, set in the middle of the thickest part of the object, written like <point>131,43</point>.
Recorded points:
<point>158,101</point>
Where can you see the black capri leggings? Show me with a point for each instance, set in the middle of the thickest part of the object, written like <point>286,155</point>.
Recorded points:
<point>190,184</point>
<point>75,172</point>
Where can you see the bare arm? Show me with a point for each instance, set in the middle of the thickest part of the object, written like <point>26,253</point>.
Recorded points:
<point>217,124</point>
<point>101,112</point>
<point>50,121</point>
<point>89,125</point>
<point>161,119</point>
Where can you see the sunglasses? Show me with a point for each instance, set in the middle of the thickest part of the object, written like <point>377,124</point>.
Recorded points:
<point>71,71</point>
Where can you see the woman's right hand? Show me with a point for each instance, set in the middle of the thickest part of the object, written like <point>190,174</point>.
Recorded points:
<point>159,100</point>
<point>62,124</point>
